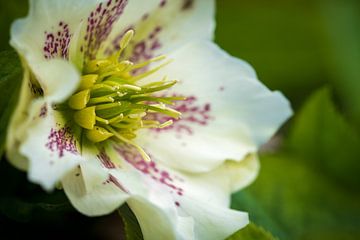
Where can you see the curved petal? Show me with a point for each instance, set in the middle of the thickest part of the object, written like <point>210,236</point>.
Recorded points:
<point>159,222</point>
<point>92,188</point>
<point>47,30</point>
<point>227,115</point>
<point>191,220</point>
<point>103,198</point>
<point>170,196</point>
<point>161,26</point>
<point>50,144</point>
<point>16,128</point>
<point>212,221</point>
<point>239,174</point>
<point>182,205</point>
<point>58,79</point>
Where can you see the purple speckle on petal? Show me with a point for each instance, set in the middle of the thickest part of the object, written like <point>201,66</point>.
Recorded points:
<point>61,140</point>
<point>188,4</point>
<point>105,160</point>
<point>142,50</point>
<point>57,46</point>
<point>100,23</point>
<point>116,182</point>
<point>132,156</point>
<point>191,113</point>
<point>145,16</point>
<point>43,111</point>
<point>163,3</point>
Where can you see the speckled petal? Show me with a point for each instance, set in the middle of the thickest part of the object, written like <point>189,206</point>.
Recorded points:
<point>162,26</point>
<point>51,145</point>
<point>227,115</point>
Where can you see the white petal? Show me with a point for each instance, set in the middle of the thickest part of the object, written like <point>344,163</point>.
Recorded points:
<point>228,114</point>
<point>212,222</point>
<point>64,29</point>
<point>92,188</point>
<point>159,222</point>
<point>47,30</point>
<point>184,206</point>
<point>169,196</point>
<point>161,26</point>
<point>103,197</point>
<point>239,174</point>
<point>58,79</point>
<point>50,145</point>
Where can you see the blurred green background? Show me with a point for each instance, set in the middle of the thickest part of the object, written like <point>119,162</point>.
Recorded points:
<point>309,185</point>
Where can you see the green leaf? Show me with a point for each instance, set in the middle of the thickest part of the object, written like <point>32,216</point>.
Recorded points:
<point>244,200</point>
<point>252,232</point>
<point>9,11</point>
<point>294,201</point>
<point>131,225</point>
<point>10,81</point>
<point>342,21</point>
<point>283,40</point>
<point>323,138</point>
<point>311,191</point>
<point>22,201</point>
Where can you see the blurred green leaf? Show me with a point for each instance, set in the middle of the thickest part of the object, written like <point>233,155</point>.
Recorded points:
<point>328,143</point>
<point>283,40</point>
<point>9,11</point>
<point>10,81</point>
<point>311,192</point>
<point>244,200</point>
<point>251,232</point>
<point>22,201</point>
<point>342,21</point>
<point>301,202</point>
<point>131,225</point>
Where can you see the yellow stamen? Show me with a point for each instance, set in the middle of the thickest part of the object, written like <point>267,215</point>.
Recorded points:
<point>144,64</point>
<point>98,134</point>
<point>108,106</point>
<point>105,99</point>
<point>101,85</point>
<point>111,102</point>
<point>95,65</point>
<point>166,124</point>
<point>102,120</point>
<point>152,71</point>
<point>124,43</point>
<point>116,119</point>
<point>141,151</point>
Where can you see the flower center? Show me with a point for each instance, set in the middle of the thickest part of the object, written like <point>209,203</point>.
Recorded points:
<point>111,101</point>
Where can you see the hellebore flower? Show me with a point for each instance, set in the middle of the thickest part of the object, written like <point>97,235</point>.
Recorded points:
<point>100,114</point>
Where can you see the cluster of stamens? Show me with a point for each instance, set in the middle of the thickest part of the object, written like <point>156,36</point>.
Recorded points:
<point>110,101</point>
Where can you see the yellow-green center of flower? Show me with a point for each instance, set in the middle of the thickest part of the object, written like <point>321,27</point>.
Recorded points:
<point>111,102</point>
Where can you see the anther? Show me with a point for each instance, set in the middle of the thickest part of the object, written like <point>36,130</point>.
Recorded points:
<point>95,65</point>
<point>106,99</point>
<point>98,134</point>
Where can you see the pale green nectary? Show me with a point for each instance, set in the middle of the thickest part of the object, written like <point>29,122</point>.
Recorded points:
<point>130,101</point>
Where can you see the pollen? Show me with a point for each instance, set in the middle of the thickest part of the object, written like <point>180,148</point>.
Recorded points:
<point>111,101</point>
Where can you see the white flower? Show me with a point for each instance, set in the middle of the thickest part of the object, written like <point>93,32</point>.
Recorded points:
<point>88,119</point>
